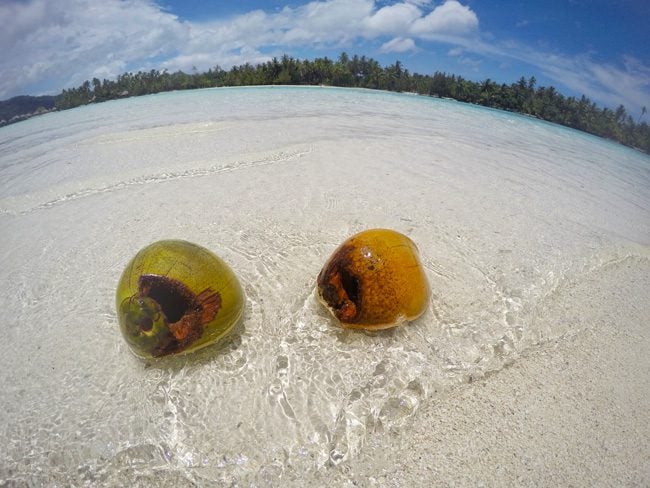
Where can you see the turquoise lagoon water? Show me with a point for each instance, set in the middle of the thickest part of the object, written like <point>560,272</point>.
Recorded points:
<point>510,215</point>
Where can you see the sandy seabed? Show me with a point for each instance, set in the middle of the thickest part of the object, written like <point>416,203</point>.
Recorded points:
<point>530,366</point>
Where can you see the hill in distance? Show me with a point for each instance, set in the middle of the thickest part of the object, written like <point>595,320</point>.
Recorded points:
<point>24,106</point>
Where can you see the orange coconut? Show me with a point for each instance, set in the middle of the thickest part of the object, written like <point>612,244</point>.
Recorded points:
<point>374,280</point>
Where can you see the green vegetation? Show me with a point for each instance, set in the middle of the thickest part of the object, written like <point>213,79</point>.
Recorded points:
<point>19,108</point>
<point>522,97</point>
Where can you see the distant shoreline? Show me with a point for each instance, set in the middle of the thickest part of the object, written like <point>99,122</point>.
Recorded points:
<point>522,97</point>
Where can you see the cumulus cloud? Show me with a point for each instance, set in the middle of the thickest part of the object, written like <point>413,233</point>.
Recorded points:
<point>398,45</point>
<point>449,18</point>
<point>70,40</point>
<point>49,45</point>
<point>420,3</point>
<point>393,19</point>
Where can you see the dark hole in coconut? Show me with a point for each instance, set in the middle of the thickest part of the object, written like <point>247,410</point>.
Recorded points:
<point>350,284</point>
<point>173,297</point>
<point>146,324</point>
<point>330,295</point>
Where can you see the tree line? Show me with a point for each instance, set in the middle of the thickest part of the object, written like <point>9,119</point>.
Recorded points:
<point>522,96</point>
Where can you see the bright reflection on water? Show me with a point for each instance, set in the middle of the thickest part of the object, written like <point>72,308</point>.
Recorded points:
<point>509,215</point>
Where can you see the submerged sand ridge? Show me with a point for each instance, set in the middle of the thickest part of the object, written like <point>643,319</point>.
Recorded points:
<point>511,217</point>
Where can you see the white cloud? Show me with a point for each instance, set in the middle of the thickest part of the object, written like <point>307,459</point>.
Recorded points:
<point>419,3</point>
<point>449,18</point>
<point>627,85</point>
<point>606,83</point>
<point>70,40</point>
<point>472,63</point>
<point>398,45</point>
<point>50,45</point>
<point>393,19</point>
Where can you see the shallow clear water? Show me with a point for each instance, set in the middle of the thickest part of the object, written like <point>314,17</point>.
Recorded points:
<point>509,214</point>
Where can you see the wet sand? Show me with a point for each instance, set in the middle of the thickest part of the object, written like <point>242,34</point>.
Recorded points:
<point>572,413</point>
<point>529,367</point>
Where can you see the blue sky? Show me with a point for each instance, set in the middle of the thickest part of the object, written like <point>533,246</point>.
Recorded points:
<point>597,47</point>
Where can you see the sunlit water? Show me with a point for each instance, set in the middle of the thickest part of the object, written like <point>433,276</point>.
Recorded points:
<point>509,215</point>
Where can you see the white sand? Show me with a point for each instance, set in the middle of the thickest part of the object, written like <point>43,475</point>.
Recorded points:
<point>572,412</point>
<point>528,368</point>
